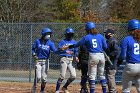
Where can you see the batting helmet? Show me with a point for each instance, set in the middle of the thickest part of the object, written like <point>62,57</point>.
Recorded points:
<point>69,30</point>
<point>46,30</point>
<point>90,25</point>
<point>133,24</point>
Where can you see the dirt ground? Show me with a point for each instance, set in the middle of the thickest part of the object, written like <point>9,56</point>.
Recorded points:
<point>22,87</point>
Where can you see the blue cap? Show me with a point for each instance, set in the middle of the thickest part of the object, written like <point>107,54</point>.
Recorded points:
<point>69,30</point>
<point>90,25</point>
<point>133,24</point>
<point>45,30</point>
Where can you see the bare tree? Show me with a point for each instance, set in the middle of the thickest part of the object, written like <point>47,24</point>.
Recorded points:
<point>123,10</point>
<point>18,10</point>
<point>95,8</point>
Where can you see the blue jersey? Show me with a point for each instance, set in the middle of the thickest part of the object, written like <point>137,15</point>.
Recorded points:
<point>65,42</point>
<point>95,43</point>
<point>43,50</point>
<point>130,50</point>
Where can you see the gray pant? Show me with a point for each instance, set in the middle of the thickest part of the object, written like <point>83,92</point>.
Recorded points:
<point>42,67</point>
<point>110,74</point>
<point>67,63</point>
<point>131,73</point>
<point>96,66</point>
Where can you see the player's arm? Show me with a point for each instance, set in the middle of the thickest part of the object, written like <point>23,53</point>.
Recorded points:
<point>54,49</point>
<point>57,50</point>
<point>60,46</point>
<point>34,49</point>
<point>81,42</point>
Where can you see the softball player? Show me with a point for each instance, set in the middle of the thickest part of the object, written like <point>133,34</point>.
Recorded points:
<point>66,60</point>
<point>130,50</point>
<point>95,44</point>
<point>41,51</point>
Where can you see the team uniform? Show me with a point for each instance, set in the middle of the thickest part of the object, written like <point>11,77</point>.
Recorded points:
<point>83,56</point>
<point>95,44</point>
<point>113,51</point>
<point>41,51</point>
<point>66,60</point>
<point>130,51</point>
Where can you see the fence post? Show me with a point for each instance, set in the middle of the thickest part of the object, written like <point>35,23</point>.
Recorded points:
<point>30,69</point>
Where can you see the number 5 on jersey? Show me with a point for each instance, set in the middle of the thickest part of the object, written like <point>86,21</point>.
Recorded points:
<point>94,42</point>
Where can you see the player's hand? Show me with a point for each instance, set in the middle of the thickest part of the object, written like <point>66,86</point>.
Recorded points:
<point>69,52</point>
<point>35,57</point>
<point>64,47</point>
<point>77,59</point>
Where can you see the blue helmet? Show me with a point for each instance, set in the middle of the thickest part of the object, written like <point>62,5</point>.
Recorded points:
<point>45,30</point>
<point>69,30</point>
<point>90,25</point>
<point>133,24</point>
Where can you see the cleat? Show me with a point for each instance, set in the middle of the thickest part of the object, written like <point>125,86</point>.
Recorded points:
<point>33,89</point>
<point>65,90</point>
<point>41,91</point>
<point>56,91</point>
<point>84,91</point>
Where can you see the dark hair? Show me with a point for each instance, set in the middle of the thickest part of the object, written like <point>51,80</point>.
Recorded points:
<point>136,35</point>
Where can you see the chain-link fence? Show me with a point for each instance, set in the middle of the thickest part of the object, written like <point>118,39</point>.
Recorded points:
<point>16,41</point>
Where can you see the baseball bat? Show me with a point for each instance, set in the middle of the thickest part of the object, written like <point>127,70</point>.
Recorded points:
<point>108,59</point>
<point>35,83</point>
<point>35,79</point>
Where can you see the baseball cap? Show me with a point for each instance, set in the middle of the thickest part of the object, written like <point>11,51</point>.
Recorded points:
<point>109,31</point>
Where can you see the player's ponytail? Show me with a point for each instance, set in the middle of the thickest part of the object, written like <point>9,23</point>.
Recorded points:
<point>136,34</point>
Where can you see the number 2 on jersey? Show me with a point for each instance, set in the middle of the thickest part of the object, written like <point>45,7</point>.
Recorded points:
<point>136,48</point>
<point>94,42</point>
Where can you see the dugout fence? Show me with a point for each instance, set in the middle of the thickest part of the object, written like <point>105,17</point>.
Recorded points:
<point>16,39</point>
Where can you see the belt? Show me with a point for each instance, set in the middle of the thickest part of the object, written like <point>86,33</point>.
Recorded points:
<point>95,52</point>
<point>134,63</point>
<point>42,60</point>
<point>68,56</point>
